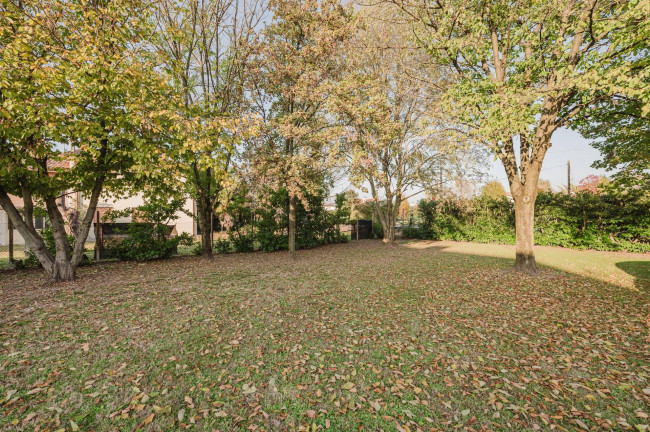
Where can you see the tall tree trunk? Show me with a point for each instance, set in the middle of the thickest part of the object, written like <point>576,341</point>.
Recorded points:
<point>523,186</point>
<point>389,227</point>
<point>292,226</point>
<point>205,214</point>
<point>524,225</point>
<point>62,269</point>
<point>383,217</point>
<point>392,211</point>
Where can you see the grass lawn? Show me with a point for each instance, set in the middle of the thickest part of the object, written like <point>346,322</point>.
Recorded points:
<point>421,336</point>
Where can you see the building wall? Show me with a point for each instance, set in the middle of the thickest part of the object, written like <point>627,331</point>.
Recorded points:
<point>4,231</point>
<point>184,223</point>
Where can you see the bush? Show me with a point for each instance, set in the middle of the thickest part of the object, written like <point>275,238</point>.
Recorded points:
<point>242,241</point>
<point>150,239</point>
<point>146,242</point>
<point>31,261</point>
<point>222,246</point>
<point>611,220</point>
<point>378,230</point>
<point>266,227</point>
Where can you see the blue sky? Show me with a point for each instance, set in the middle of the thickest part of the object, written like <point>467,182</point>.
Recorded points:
<point>567,145</point>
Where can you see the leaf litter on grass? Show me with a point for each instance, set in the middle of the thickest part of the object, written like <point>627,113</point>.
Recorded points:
<point>347,337</point>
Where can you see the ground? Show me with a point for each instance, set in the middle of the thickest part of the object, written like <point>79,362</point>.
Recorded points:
<point>424,335</point>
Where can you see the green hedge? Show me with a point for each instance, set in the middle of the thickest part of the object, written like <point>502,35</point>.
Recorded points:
<point>264,227</point>
<point>606,221</point>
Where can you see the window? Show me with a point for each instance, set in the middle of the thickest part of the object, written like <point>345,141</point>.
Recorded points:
<point>39,222</point>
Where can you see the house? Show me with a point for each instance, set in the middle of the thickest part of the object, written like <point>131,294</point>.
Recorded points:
<point>72,206</point>
<point>184,222</point>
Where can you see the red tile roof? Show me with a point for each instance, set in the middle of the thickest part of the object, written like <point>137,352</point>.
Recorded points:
<point>58,164</point>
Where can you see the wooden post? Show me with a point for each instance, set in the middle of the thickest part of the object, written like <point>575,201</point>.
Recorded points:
<point>568,177</point>
<point>11,242</point>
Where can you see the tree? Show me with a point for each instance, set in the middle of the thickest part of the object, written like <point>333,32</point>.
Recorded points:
<point>404,210</point>
<point>523,69</point>
<point>205,48</point>
<point>592,184</point>
<point>621,132</point>
<point>298,64</point>
<point>394,144</point>
<point>71,72</point>
<point>493,189</point>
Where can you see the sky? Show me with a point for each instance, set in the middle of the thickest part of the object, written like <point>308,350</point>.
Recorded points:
<point>566,145</point>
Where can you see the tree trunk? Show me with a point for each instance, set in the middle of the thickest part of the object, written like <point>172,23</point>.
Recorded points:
<point>389,228</point>
<point>205,214</point>
<point>292,226</point>
<point>392,212</point>
<point>11,243</point>
<point>61,269</point>
<point>383,219</point>
<point>25,226</point>
<point>524,225</point>
<point>84,228</point>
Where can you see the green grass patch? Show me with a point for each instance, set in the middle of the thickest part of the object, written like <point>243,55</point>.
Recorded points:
<point>420,336</point>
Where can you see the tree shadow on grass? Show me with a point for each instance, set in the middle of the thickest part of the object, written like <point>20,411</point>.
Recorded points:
<point>640,270</point>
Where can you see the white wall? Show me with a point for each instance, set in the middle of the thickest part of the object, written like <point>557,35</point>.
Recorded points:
<point>4,231</point>
<point>184,223</point>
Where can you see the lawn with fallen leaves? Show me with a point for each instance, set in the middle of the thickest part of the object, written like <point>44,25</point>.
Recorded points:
<point>359,336</point>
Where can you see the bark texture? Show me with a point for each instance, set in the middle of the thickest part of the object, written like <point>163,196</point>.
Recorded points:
<point>524,225</point>
<point>292,227</point>
<point>204,211</point>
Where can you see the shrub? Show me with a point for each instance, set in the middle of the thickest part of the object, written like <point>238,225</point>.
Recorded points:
<point>148,242</point>
<point>242,241</point>
<point>266,227</point>
<point>150,238</point>
<point>31,261</point>
<point>610,220</point>
<point>378,230</point>
<point>222,246</point>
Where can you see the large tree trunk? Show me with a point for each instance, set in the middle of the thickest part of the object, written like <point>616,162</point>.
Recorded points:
<point>205,222</point>
<point>384,217</point>
<point>62,269</point>
<point>392,211</point>
<point>524,226</point>
<point>523,185</point>
<point>292,226</point>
